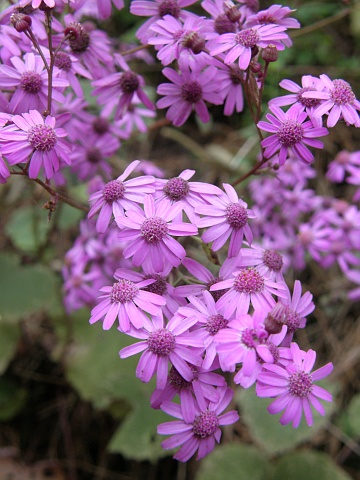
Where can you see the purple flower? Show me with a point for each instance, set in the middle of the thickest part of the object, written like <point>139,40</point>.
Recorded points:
<point>227,216</point>
<point>126,300</point>
<point>150,235</point>
<point>31,82</point>
<point>231,79</point>
<point>189,90</point>
<point>157,9</point>
<point>342,164</point>
<point>239,45</point>
<point>339,102</point>
<point>119,89</point>
<point>294,387</point>
<point>290,131</point>
<point>163,343</point>
<point>30,136</point>
<point>247,286</point>
<point>199,434</point>
<point>268,262</point>
<point>119,195</point>
<point>188,194</point>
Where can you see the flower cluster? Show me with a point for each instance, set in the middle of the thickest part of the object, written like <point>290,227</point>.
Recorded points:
<point>71,96</point>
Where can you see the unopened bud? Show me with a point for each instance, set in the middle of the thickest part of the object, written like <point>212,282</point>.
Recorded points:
<point>232,12</point>
<point>275,319</point>
<point>194,42</point>
<point>73,31</point>
<point>270,54</point>
<point>20,22</point>
<point>255,67</point>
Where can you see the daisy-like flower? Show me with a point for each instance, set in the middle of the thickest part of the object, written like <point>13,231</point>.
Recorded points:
<point>338,101</point>
<point>119,195</point>
<point>268,262</point>
<point>243,341</point>
<point>209,322</point>
<point>247,286</point>
<point>227,216</point>
<point>189,90</point>
<point>342,165</point>
<point>200,434</point>
<point>294,386</point>
<point>134,119</point>
<point>308,84</point>
<point>290,131</point>
<point>239,45</point>
<point>30,79</point>
<point>69,67</point>
<point>162,343</point>
<point>231,79</point>
<point>298,307</point>
<point>127,301</point>
<point>31,137</point>
<point>155,10</point>
<point>171,37</point>
<point>150,235</point>
<point>119,89</point>
<point>187,194</point>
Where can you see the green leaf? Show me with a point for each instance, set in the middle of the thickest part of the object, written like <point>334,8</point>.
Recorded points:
<point>24,289</point>
<point>266,429</point>
<point>12,399</point>
<point>9,337</point>
<point>28,229</point>
<point>136,437</point>
<point>350,419</point>
<point>308,465</point>
<point>234,462</point>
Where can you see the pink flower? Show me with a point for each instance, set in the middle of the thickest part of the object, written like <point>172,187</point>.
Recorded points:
<point>30,79</point>
<point>239,45</point>
<point>227,216</point>
<point>118,195</point>
<point>150,234</point>
<point>339,102</point>
<point>294,387</point>
<point>290,131</point>
<point>126,300</point>
<point>161,344</point>
<point>189,90</point>
<point>32,137</point>
<point>201,433</point>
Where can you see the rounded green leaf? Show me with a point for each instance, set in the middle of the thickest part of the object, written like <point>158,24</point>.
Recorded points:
<point>309,465</point>
<point>234,462</point>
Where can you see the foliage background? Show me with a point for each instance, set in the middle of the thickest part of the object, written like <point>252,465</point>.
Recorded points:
<point>70,409</point>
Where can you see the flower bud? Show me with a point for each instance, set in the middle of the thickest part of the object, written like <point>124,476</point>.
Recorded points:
<point>270,54</point>
<point>194,42</point>
<point>275,319</point>
<point>20,22</point>
<point>255,67</point>
<point>232,12</point>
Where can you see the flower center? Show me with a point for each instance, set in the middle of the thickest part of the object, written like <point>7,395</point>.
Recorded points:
<point>249,281</point>
<point>191,92</point>
<point>300,384</point>
<point>100,125</point>
<point>290,133</point>
<point>236,216</point>
<point>169,7</point>
<point>81,42</point>
<point>42,137</point>
<point>215,323</point>
<point>273,260</point>
<point>159,286</point>
<point>205,424</point>
<point>216,294</point>
<point>123,291</point>
<point>342,93</point>
<point>293,320</point>
<point>236,75</point>
<point>307,102</point>
<point>176,188</point>
<point>63,61</point>
<point>129,82</point>
<point>248,38</point>
<point>222,24</point>
<point>161,342</point>
<point>273,350</point>
<point>177,380</point>
<point>154,230</point>
<point>249,338</point>
<point>113,190</point>
<point>93,155</point>
<point>31,82</point>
